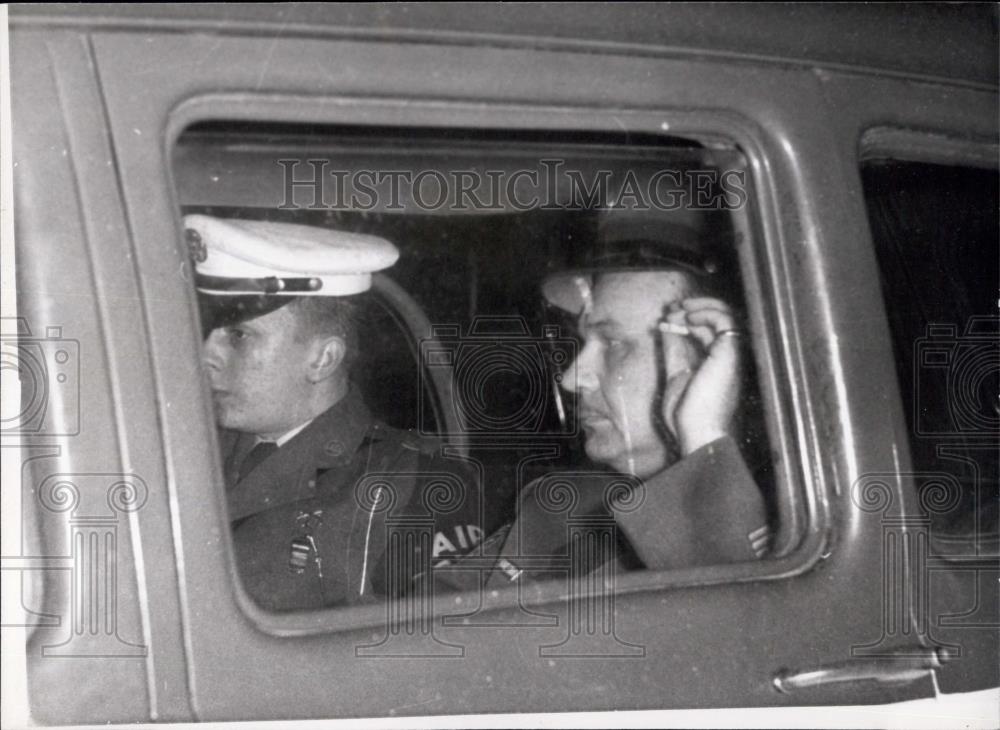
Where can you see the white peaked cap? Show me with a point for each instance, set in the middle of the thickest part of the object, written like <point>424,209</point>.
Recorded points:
<point>244,257</point>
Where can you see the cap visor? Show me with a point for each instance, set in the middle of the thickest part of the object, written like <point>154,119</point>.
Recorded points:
<point>227,311</point>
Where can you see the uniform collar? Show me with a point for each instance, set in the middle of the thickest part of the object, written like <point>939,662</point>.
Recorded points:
<point>335,435</point>
<point>330,441</point>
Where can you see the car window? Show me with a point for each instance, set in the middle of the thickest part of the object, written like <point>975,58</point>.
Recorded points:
<point>935,232</point>
<point>468,343</point>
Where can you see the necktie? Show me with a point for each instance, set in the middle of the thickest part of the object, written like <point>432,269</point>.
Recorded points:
<point>257,454</point>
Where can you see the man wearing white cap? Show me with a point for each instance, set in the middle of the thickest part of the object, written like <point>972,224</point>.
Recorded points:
<point>657,387</point>
<point>278,304</point>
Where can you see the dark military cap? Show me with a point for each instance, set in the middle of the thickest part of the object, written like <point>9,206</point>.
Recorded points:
<point>639,240</point>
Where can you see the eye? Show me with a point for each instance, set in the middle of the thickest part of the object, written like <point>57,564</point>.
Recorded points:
<point>237,335</point>
<point>613,343</point>
<point>616,349</point>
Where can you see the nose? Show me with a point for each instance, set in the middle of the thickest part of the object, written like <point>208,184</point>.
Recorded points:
<point>581,375</point>
<point>211,350</point>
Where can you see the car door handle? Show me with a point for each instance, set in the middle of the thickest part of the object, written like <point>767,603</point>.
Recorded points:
<point>905,665</point>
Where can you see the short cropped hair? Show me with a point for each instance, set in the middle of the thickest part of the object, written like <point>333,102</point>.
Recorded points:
<point>329,317</point>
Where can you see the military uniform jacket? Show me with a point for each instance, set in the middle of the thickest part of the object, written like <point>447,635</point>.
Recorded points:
<point>311,523</point>
<point>704,510</point>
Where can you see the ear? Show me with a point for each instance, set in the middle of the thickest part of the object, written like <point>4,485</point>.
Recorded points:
<point>327,358</point>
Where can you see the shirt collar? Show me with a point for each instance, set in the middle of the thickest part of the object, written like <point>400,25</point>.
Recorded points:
<point>289,435</point>
<point>345,421</point>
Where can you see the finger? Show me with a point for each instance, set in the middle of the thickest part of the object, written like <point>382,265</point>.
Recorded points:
<point>677,343</point>
<point>676,386</point>
<point>694,303</point>
<point>721,310</point>
<point>677,322</point>
<point>676,316</point>
<point>715,319</point>
<point>674,323</point>
<point>725,333</point>
<point>717,370</point>
<point>703,334</point>
<point>725,346</point>
<point>705,324</point>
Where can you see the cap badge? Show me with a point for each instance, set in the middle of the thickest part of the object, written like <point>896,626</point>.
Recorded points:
<point>196,247</point>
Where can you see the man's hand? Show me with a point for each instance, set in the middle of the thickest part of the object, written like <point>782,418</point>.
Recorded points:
<point>701,399</point>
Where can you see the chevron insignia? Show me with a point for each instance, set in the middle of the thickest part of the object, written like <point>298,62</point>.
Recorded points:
<point>760,540</point>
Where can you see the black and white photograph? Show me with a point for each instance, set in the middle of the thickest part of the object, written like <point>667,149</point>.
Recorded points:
<point>429,365</point>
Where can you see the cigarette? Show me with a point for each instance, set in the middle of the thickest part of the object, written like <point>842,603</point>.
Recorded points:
<point>583,287</point>
<point>674,329</point>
